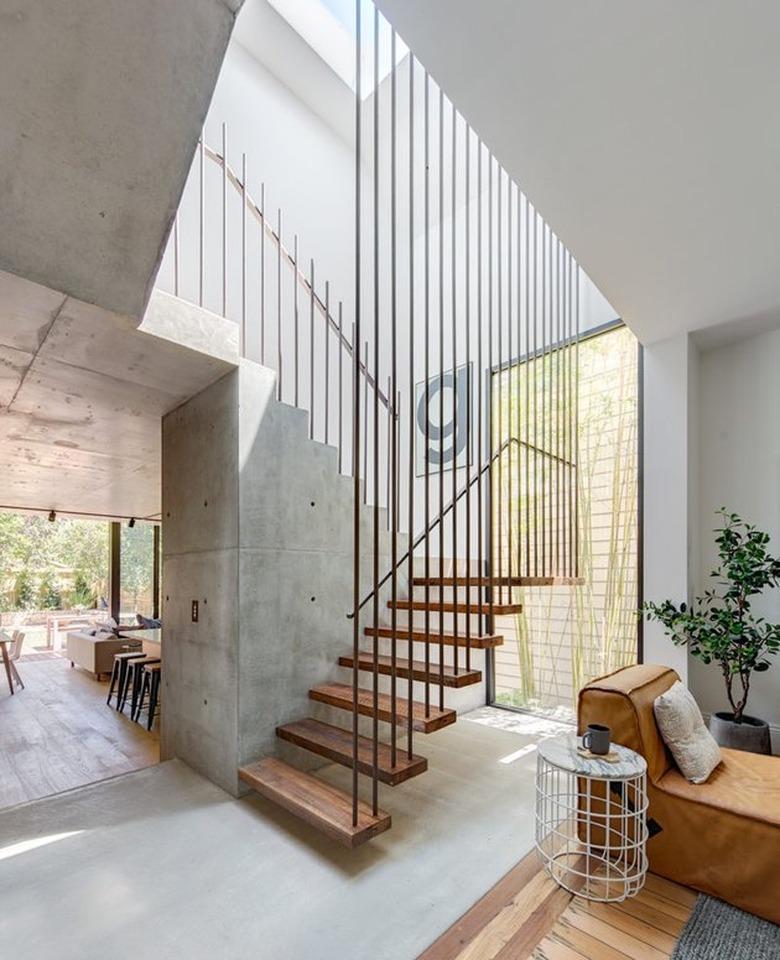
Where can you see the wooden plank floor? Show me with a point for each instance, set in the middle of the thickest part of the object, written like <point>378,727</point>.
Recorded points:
<point>58,734</point>
<point>526,915</point>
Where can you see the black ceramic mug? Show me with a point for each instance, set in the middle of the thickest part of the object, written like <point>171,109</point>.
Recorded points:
<point>596,739</point>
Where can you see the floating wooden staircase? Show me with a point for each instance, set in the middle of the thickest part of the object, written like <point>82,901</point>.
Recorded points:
<point>313,800</point>
<point>478,641</point>
<point>335,744</point>
<point>474,609</point>
<point>329,809</point>
<point>446,677</point>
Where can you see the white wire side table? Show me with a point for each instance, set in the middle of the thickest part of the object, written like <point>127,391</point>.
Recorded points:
<point>591,825</point>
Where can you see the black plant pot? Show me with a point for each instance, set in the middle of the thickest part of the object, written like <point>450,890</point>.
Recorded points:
<point>751,734</point>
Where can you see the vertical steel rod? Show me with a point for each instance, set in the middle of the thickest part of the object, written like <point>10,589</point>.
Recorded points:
<point>202,227</point>
<point>243,255</point>
<point>296,347</point>
<point>327,360</point>
<point>454,310</point>
<point>365,428</point>
<point>543,358</point>
<point>176,254</point>
<point>467,239</point>
<point>577,420</point>
<point>536,392</point>
<point>427,391</point>
<point>411,425</point>
<point>262,274</point>
<point>311,348</point>
<point>481,594</point>
<point>393,392</point>
<point>341,381</point>
<point>498,378</point>
<point>441,388</point>
<point>279,359</point>
<point>356,506</point>
<point>527,369</point>
<point>490,390</point>
<point>224,218</point>
<point>509,303</point>
<point>375,565</point>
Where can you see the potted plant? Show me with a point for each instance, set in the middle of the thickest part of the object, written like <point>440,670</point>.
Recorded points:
<point>721,628</point>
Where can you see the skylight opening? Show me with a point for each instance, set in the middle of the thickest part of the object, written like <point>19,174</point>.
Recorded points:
<point>328,27</point>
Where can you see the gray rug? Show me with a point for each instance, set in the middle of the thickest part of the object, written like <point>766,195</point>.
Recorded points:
<point>716,930</point>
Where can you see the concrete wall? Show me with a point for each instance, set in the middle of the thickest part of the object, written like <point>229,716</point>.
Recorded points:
<point>102,104</point>
<point>200,562</point>
<point>257,526</point>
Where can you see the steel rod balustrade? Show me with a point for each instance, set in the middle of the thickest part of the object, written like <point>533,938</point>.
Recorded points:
<point>507,294</point>
<point>420,537</point>
<point>256,211</point>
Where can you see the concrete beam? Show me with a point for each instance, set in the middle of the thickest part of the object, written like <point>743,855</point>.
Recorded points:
<point>83,391</point>
<point>102,104</point>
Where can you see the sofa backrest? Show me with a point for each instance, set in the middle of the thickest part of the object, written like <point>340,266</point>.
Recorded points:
<point>624,702</point>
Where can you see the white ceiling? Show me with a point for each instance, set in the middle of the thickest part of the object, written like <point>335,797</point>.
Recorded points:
<point>647,134</point>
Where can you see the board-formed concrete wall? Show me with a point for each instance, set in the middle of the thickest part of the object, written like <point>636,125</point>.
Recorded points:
<point>257,527</point>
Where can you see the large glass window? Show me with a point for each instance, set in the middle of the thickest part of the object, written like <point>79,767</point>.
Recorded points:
<point>568,634</point>
<point>136,572</point>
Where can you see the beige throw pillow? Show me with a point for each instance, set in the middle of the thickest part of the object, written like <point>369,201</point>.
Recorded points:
<point>692,745</point>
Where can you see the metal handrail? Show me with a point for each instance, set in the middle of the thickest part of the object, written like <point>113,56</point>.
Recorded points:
<point>450,506</point>
<point>257,212</point>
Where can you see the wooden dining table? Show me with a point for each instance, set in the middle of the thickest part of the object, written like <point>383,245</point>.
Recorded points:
<point>12,674</point>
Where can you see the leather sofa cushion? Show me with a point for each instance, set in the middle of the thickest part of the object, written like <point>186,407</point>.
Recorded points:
<point>746,784</point>
<point>624,702</point>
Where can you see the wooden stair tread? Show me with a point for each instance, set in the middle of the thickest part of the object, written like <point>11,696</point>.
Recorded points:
<point>451,606</point>
<point>313,800</point>
<point>463,678</point>
<point>340,695</point>
<point>461,581</point>
<point>335,743</point>
<point>478,641</point>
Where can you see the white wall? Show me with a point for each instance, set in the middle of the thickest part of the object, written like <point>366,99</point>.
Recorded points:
<point>739,395</point>
<point>668,372</point>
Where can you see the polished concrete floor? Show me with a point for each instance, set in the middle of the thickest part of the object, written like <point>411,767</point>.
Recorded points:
<point>162,864</point>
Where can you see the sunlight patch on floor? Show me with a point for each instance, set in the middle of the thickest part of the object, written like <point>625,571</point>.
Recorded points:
<point>24,846</point>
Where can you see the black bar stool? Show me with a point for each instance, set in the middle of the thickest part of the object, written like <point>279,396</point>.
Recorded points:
<point>150,685</point>
<point>119,672</point>
<point>133,682</point>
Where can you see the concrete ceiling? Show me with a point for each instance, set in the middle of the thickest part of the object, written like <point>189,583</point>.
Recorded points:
<point>102,103</point>
<point>646,134</point>
<point>83,391</point>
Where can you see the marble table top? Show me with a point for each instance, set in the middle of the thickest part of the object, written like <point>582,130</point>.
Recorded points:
<point>562,752</point>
